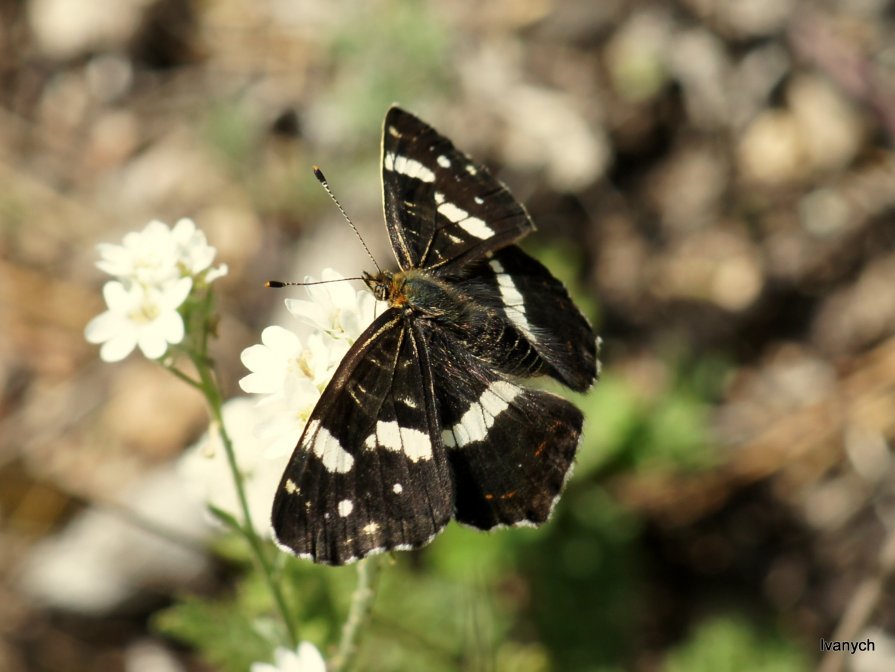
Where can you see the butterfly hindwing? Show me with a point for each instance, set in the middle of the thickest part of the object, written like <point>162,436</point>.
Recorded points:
<point>442,209</point>
<point>367,475</point>
<point>539,309</point>
<point>510,448</point>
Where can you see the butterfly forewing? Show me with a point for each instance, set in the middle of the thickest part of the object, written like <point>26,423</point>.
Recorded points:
<point>442,209</point>
<point>367,475</point>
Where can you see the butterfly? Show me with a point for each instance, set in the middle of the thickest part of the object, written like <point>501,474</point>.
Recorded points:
<point>426,419</point>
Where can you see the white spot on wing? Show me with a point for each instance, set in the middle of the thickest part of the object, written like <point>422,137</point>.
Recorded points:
<point>480,416</point>
<point>472,225</point>
<point>513,302</point>
<point>471,169</point>
<point>444,161</point>
<point>346,506</point>
<point>327,447</point>
<point>479,200</point>
<point>397,488</point>
<point>392,131</point>
<point>439,197</point>
<point>409,167</point>
<point>291,488</point>
<point>370,528</point>
<point>415,444</point>
<point>476,227</point>
<point>452,212</point>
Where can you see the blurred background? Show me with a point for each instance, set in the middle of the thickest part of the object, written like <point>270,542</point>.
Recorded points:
<point>713,179</point>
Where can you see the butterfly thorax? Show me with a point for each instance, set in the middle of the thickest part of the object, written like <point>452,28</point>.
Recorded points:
<point>419,292</point>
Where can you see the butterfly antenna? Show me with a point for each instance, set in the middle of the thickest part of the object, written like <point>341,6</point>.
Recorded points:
<point>322,180</point>
<point>277,284</point>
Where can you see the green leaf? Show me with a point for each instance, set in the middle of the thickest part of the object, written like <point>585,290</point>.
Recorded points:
<point>226,636</point>
<point>731,644</point>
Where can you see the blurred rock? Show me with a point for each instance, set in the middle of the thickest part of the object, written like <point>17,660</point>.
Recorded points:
<point>789,378</point>
<point>543,129</point>
<point>109,76</point>
<point>881,659</point>
<point>698,60</point>
<point>113,138</point>
<point>714,265</point>
<point>105,556</point>
<point>749,18</point>
<point>818,132</point>
<point>771,149</point>
<point>868,452</point>
<point>860,313</point>
<point>635,55</point>
<point>753,80</point>
<point>687,188</point>
<point>149,655</point>
<point>824,212</point>
<point>64,29</point>
<point>830,128</point>
<point>546,132</point>
<point>174,175</point>
<point>152,412</point>
<point>830,504</point>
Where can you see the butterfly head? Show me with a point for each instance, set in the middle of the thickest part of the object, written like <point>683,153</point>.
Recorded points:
<point>386,286</point>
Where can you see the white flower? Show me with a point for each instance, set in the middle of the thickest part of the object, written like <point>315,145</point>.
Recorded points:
<point>194,253</point>
<point>148,257</point>
<point>155,270</point>
<point>206,471</point>
<point>284,416</point>
<point>159,254</point>
<point>281,357</point>
<point>305,659</point>
<point>292,377</point>
<point>335,308</point>
<point>139,316</point>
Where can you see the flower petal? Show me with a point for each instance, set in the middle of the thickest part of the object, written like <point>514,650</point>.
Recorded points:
<point>152,343</point>
<point>104,327</point>
<point>170,326</point>
<point>175,293</point>
<point>118,298</point>
<point>309,658</point>
<point>215,273</point>
<point>281,340</point>
<point>119,347</point>
<point>310,313</point>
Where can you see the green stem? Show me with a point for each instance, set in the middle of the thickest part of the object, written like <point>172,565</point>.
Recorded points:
<point>215,403</point>
<point>358,613</point>
<point>184,377</point>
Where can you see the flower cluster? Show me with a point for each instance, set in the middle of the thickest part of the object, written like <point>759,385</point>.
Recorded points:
<point>155,270</point>
<point>288,374</point>
<point>292,375</point>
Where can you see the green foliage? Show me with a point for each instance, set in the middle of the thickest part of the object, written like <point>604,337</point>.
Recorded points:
<point>582,574</point>
<point>628,430</point>
<point>565,261</point>
<point>226,632</point>
<point>731,644</point>
<point>393,51</point>
<point>229,129</point>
